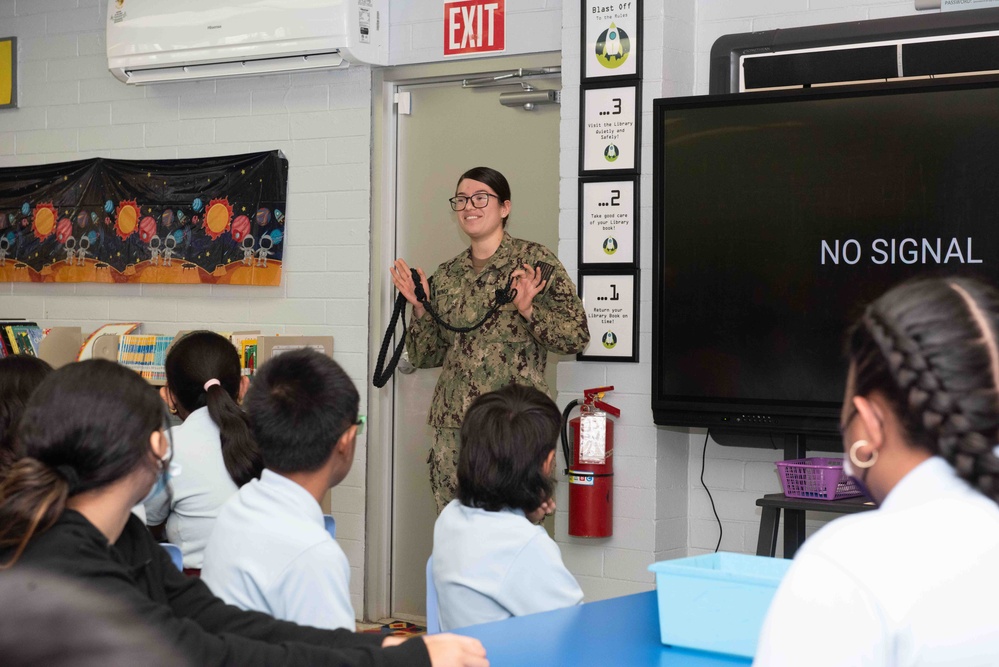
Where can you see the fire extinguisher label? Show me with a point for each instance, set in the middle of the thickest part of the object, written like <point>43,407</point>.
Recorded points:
<point>593,437</point>
<point>585,480</point>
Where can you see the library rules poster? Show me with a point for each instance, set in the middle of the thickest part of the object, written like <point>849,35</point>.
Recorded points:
<point>217,220</point>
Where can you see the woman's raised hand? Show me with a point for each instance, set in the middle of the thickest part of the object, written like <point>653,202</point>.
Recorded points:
<point>402,278</point>
<point>528,282</point>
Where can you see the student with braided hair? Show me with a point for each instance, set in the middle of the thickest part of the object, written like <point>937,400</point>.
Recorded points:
<point>916,582</point>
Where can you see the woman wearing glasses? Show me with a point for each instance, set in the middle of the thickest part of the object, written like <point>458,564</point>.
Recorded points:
<point>511,346</point>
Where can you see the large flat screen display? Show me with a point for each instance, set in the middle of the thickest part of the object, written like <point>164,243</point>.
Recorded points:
<point>779,215</point>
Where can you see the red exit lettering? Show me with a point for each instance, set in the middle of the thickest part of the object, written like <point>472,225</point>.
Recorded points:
<point>474,26</point>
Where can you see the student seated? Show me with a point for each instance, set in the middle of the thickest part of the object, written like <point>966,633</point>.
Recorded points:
<point>93,446</point>
<point>914,583</point>
<point>213,447</point>
<point>19,375</point>
<point>490,559</point>
<point>270,551</point>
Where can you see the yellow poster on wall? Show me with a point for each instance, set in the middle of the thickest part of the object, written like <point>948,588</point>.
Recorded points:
<point>8,71</point>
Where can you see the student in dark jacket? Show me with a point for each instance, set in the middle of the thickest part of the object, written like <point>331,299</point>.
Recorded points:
<point>93,444</point>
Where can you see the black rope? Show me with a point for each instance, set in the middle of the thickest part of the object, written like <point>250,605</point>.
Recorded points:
<point>502,297</point>
<point>383,374</point>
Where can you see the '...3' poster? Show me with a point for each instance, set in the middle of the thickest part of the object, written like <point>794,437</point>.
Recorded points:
<point>217,220</point>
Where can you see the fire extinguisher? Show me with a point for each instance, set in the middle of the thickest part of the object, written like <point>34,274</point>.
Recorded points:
<point>589,464</point>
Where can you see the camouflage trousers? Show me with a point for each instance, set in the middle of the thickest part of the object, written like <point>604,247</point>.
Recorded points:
<point>443,462</point>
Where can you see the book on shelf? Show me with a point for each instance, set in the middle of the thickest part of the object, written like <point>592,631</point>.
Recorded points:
<point>19,337</point>
<point>145,354</point>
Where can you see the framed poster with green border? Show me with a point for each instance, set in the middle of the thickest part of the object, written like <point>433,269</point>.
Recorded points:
<point>611,304</point>
<point>610,131</point>
<point>8,72</point>
<point>612,40</point>
<point>608,222</point>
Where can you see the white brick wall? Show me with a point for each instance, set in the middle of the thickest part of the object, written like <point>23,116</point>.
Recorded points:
<point>71,108</point>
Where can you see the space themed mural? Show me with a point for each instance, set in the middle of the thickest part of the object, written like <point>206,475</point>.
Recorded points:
<point>206,220</point>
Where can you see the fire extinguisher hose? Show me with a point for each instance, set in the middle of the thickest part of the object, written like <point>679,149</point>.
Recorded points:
<point>565,433</point>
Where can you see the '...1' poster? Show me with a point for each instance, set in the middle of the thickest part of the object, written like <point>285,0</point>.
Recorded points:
<point>217,220</point>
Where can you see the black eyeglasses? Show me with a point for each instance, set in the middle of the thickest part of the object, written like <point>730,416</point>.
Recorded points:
<point>479,200</point>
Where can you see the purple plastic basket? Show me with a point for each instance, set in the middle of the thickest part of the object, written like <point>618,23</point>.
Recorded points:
<point>818,477</point>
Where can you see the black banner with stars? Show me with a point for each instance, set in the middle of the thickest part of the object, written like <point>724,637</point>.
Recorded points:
<point>206,220</point>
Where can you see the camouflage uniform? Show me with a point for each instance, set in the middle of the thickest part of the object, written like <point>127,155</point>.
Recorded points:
<point>506,349</point>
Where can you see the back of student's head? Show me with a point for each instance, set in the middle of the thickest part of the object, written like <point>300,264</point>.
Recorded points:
<point>299,405</point>
<point>197,359</point>
<point>930,348</point>
<point>50,621</point>
<point>19,376</point>
<point>87,425</point>
<point>505,439</point>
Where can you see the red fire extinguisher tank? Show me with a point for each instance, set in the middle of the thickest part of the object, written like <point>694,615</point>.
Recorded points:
<point>591,483</point>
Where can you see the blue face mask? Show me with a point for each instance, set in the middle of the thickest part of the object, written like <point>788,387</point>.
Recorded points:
<point>851,474</point>
<point>167,472</point>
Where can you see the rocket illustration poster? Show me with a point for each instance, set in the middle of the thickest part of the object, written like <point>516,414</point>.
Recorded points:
<point>612,39</point>
<point>217,221</point>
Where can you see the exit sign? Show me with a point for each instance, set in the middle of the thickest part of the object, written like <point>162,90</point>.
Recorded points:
<point>474,26</point>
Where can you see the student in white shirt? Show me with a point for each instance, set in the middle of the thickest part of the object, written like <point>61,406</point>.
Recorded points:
<point>213,447</point>
<point>490,559</point>
<point>915,582</point>
<point>270,551</point>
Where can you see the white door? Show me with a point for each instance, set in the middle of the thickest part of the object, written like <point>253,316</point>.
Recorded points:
<point>451,129</point>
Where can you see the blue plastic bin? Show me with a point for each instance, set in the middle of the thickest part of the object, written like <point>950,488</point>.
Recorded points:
<point>716,602</point>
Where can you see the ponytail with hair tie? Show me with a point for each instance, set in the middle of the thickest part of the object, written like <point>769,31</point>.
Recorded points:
<point>68,473</point>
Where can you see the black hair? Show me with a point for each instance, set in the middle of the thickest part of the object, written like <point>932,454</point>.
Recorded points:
<point>195,359</point>
<point>493,179</point>
<point>19,376</point>
<point>50,620</point>
<point>930,348</point>
<point>299,405</point>
<point>87,425</point>
<point>505,438</point>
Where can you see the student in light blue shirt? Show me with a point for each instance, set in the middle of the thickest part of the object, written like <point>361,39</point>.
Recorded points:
<point>491,560</point>
<point>269,550</point>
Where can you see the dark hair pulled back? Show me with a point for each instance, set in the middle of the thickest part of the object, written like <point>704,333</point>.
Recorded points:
<point>930,348</point>
<point>195,359</point>
<point>505,438</point>
<point>493,179</point>
<point>87,425</point>
<point>19,376</point>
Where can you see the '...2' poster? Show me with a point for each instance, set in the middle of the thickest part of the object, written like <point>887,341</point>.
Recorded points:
<point>217,220</point>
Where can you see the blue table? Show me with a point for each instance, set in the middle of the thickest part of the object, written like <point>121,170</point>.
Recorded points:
<point>620,631</point>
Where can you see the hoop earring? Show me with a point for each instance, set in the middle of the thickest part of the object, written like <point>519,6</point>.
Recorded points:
<point>857,462</point>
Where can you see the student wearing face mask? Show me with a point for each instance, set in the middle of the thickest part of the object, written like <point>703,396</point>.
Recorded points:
<point>512,346</point>
<point>93,445</point>
<point>915,582</point>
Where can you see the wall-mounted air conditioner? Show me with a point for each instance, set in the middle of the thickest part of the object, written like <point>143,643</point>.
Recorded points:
<point>153,41</point>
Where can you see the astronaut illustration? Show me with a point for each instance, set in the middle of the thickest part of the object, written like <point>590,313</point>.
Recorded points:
<point>4,249</point>
<point>81,252</point>
<point>70,247</point>
<point>613,47</point>
<point>154,251</point>
<point>168,245</point>
<point>248,251</point>
<point>264,250</point>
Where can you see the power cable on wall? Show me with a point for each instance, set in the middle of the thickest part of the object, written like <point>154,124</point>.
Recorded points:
<point>704,451</point>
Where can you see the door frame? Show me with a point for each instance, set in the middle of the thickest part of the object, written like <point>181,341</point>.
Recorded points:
<point>378,473</point>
